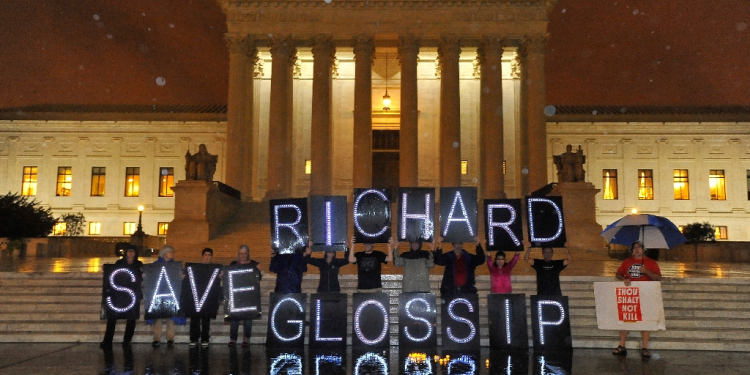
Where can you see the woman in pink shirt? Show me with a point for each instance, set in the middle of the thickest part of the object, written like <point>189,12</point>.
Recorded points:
<point>500,272</point>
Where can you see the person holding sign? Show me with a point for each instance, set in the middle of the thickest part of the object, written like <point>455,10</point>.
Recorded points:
<point>243,258</point>
<point>416,263</point>
<point>289,269</point>
<point>500,272</point>
<point>547,270</point>
<point>368,267</point>
<point>166,255</point>
<point>459,264</point>
<point>637,267</point>
<point>130,260</point>
<point>200,327</point>
<point>329,270</point>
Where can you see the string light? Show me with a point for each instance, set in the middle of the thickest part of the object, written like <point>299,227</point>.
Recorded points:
<point>163,274</point>
<point>199,302</point>
<point>357,214</point>
<point>427,225</point>
<point>457,199</point>
<point>318,324</point>
<point>121,289</point>
<point>279,363</point>
<point>233,290</point>
<point>506,225</point>
<point>461,320</point>
<point>358,329</point>
<point>329,242</point>
<point>299,323</point>
<point>291,226</point>
<point>419,319</point>
<point>543,323</point>
<point>417,359</point>
<point>465,360</point>
<point>371,358</point>
<point>532,234</point>
<point>507,321</point>
<point>335,359</point>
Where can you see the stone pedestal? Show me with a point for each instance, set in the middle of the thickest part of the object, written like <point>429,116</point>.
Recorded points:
<point>579,210</point>
<point>200,209</point>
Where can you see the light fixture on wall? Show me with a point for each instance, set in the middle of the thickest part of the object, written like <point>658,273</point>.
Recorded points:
<point>386,97</point>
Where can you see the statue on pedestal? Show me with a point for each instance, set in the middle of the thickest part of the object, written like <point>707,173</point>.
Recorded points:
<point>200,166</point>
<point>570,165</point>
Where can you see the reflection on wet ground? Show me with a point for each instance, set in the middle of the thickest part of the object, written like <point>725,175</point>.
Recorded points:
<point>66,359</point>
<point>576,268</point>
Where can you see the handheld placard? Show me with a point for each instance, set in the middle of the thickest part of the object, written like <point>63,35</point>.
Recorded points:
<point>121,292</point>
<point>458,214</point>
<point>417,321</point>
<point>503,227</point>
<point>507,318</point>
<point>288,224</point>
<point>201,290</point>
<point>460,322</point>
<point>242,292</point>
<point>372,215</point>
<point>416,214</point>
<point>328,321</point>
<point>550,323</point>
<point>286,324</point>
<point>328,224</point>
<point>546,223</point>
<point>162,286</point>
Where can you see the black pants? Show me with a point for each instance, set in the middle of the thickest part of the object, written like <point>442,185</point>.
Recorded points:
<point>199,328</point>
<point>110,333</point>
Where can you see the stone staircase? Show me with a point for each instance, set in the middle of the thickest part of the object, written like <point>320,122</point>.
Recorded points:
<point>702,314</point>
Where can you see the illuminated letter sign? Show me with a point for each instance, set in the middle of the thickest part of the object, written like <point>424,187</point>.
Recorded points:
<point>201,290</point>
<point>458,214</point>
<point>553,362</point>
<point>546,222</point>
<point>507,318</point>
<point>463,365</point>
<point>241,292</point>
<point>327,364</point>
<point>417,206</point>
<point>328,230</point>
<point>550,323</point>
<point>285,363</point>
<point>372,215</point>
<point>287,320</point>
<point>419,363</point>
<point>119,298</point>
<point>162,285</point>
<point>371,363</point>
<point>460,322</point>
<point>327,321</point>
<point>509,362</point>
<point>416,319</point>
<point>503,227</point>
<point>288,224</point>
<point>370,321</point>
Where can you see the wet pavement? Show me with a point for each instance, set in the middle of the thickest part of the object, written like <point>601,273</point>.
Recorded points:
<point>82,359</point>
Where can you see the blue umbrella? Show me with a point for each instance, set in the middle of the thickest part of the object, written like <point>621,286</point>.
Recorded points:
<point>654,232</point>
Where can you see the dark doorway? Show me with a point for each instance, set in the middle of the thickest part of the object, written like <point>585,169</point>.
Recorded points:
<point>385,145</point>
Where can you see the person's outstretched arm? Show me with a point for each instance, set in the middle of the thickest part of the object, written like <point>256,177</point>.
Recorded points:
<point>352,259</point>
<point>567,252</point>
<point>527,254</point>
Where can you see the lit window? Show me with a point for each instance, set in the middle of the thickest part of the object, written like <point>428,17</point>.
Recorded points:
<point>609,180</point>
<point>95,228</point>
<point>132,181</point>
<point>64,181</point>
<point>681,185</point>
<point>163,227</point>
<point>505,167</point>
<point>308,166</point>
<point>464,167</point>
<point>720,233</point>
<point>59,229</point>
<point>166,181</point>
<point>98,178</point>
<point>128,228</point>
<point>716,182</point>
<point>28,187</point>
<point>645,184</point>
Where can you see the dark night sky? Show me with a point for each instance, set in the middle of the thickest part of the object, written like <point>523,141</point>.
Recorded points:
<point>603,52</point>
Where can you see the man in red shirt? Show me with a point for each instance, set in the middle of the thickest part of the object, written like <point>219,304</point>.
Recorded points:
<point>637,268</point>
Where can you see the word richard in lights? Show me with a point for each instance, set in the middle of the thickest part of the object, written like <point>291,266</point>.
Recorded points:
<point>532,231</point>
<point>357,214</point>
<point>504,225</point>
<point>465,218</point>
<point>291,226</point>
<point>425,217</point>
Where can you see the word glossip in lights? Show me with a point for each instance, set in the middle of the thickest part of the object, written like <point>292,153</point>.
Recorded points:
<point>328,321</point>
<point>287,320</point>
<point>551,322</point>
<point>507,318</point>
<point>460,322</point>
<point>417,317</point>
<point>370,321</point>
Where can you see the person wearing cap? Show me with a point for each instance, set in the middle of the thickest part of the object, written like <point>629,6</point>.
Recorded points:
<point>130,260</point>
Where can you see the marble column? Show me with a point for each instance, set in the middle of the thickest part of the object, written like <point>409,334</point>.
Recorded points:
<point>280,150</point>
<point>324,52</point>
<point>536,126</point>
<point>408,50</point>
<point>362,162</point>
<point>492,154</point>
<point>450,113</point>
<point>240,126</point>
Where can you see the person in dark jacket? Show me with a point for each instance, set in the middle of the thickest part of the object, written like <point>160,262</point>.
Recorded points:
<point>329,270</point>
<point>200,326</point>
<point>130,260</point>
<point>459,264</point>
<point>289,269</point>
<point>243,258</point>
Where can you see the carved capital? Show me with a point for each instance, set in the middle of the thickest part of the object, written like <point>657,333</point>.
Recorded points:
<point>323,47</point>
<point>408,47</point>
<point>282,48</point>
<point>449,49</point>
<point>244,45</point>
<point>533,44</point>
<point>364,48</point>
<point>489,47</point>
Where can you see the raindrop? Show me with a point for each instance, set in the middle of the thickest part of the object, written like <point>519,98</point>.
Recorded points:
<point>144,15</point>
<point>171,26</point>
<point>564,10</point>
<point>525,170</point>
<point>550,110</point>
<point>455,144</point>
<point>109,36</point>
<point>474,180</point>
<point>594,112</point>
<point>327,1</point>
<point>635,12</point>
<point>741,26</point>
<point>80,67</point>
<point>161,81</point>
<point>96,17</point>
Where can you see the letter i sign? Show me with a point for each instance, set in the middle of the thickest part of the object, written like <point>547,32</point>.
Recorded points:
<point>629,304</point>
